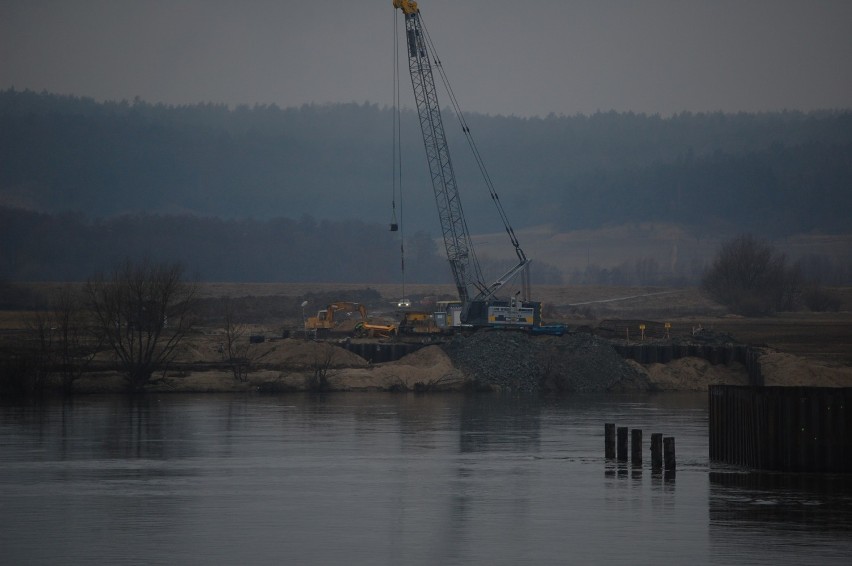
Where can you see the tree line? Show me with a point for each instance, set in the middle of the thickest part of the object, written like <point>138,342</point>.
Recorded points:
<point>141,310</point>
<point>752,278</point>
<point>70,247</point>
<point>773,174</point>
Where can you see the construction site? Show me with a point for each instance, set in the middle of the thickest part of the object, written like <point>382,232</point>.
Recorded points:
<point>687,343</point>
<point>478,332</point>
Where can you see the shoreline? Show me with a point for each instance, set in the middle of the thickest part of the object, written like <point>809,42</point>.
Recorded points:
<point>297,366</point>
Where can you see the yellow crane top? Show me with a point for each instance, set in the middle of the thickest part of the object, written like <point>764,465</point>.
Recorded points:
<point>407,6</point>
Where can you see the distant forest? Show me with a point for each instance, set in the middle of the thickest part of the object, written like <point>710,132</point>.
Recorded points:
<point>265,193</point>
<point>71,247</point>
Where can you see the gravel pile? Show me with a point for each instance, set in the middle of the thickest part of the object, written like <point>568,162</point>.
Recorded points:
<point>515,361</point>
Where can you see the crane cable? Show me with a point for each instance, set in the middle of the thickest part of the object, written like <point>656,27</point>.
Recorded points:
<point>397,153</point>
<point>472,144</point>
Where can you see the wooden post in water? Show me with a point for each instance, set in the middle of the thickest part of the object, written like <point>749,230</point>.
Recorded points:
<point>636,446</point>
<point>669,453</point>
<point>609,441</point>
<point>656,451</point>
<point>622,443</point>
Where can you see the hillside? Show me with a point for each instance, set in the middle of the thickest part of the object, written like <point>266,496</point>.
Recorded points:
<point>775,174</point>
<point>303,194</point>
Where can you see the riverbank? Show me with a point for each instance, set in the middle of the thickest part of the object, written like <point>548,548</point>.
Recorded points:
<point>486,361</point>
<point>803,348</point>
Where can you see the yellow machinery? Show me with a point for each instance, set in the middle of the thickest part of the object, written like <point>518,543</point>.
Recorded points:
<point>337,317</point>
<point>420,322</point>
<point>372,330</point>
<point>330,318</point>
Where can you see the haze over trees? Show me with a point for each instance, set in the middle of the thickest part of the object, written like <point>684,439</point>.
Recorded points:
<point>70,247</point>
<point>267,194</point>
<point>751,278</point>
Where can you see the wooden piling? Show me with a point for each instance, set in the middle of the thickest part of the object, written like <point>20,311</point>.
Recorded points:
<point>669,453</point>
<point>622,443</point>
<point>636,446</point>
<point>609,441</point>
<point>657,451</point>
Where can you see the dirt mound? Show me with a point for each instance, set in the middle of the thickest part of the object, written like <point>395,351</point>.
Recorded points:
<point>427,356</point>
<point>519,362</point>
<point>307,354</point>
<point>428,369</point>
<point>788,370</point>
<point>693,374</point>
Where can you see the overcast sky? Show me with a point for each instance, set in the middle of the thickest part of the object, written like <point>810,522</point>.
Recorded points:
<point>509,57</point>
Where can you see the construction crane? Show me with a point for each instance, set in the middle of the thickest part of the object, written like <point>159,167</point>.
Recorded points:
<point>479,305</point>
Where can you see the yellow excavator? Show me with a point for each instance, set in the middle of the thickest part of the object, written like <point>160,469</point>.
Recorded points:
<point>337,317</point>
<point>330,319</point>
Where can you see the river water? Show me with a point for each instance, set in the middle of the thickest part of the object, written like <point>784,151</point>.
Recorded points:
<point>392,479</point>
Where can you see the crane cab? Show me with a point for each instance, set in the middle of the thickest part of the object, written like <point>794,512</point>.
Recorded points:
<point>498,313</point>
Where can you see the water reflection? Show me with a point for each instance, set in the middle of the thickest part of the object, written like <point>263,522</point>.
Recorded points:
<point>622,470</point>
<point>384,479</point>
<point>803,516</point>
<point>496,423</point>
<point>746,500</point>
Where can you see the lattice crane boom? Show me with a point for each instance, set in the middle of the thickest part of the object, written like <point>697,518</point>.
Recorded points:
<point>457,241</point>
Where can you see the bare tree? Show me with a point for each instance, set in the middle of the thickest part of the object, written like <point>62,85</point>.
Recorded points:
<point>65,337</point>
<point>142,311</point>
<point>237,350</point>
<point>320,380</point>
<point>751,278</point>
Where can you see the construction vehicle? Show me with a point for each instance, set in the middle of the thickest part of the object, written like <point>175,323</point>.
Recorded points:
<point>366,329</point>
<point>479,305</point>
<point>336,318</point>
<point>330,318</point>
<point>421,322</point>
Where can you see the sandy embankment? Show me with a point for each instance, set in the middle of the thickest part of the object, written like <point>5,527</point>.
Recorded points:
<point>778,369</point>
<point>283,365</point>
